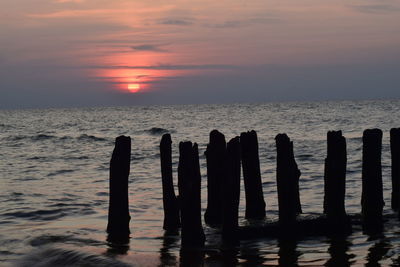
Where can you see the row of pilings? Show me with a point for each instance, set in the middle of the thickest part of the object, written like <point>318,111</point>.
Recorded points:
<point>224,163</point>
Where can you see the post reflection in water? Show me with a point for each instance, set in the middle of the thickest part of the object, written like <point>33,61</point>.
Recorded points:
<point>374,228</point>
<point>378,251</point>
<point>117,245</point>
<point>223,257</point>
<point>288,255</point>
<point>166,257</point>
<point>230,257</point>
<point>250,254</point>
<point>191,257</point>
<point>338,251</point>
<point>396,262</point>
<point>374,249</point>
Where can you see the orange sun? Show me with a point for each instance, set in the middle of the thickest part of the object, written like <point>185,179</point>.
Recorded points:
<point>133,87</point>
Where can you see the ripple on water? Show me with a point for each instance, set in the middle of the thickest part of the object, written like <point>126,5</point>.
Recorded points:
<point>59,172</point>
<point>38,215</point>
<point>72,239</point>
<point>55,211</point>
<point>38,158</point>
<point>64,257</point>
<point>27,178</point>
<point>75,157</point>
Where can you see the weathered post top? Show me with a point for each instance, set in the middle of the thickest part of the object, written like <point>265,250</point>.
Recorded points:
<point>287,178</point>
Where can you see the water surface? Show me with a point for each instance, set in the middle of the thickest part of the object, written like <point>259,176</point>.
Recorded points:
<point>54,181</point>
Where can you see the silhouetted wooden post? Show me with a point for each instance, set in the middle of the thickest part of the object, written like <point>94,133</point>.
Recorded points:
<point>170,202</point>
<point>231,192</point>
<point>395,151</point>
<point>118,212</point>
<point>296,177</point>
<point>189,180</point>
<point>335,176</point>
<point>215,155</point>
<point>372,191</point>
<point>255,204</point>
<point>287,178</point>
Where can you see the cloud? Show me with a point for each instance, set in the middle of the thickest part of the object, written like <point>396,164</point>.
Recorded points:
<point>376,8</point>
<point>76,13</point>
<point>70,1</point>
<point>148,47</point>
<point>172,67</point>
<point>241,23</point>
<point>226,24</point>
<point>142,76</point>
<point>178,22</point>
<point>151,78</point>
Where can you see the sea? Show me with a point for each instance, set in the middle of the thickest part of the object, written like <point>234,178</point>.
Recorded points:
<point>54,182</point>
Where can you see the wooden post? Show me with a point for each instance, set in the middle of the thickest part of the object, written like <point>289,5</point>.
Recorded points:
<point>287,178</point>
<point>395,151</point>
<point>215,156</point>
<point>255,204</point>
<point>189,180</point>
<point>118,212</point>
<point>170,202</point>
<point>335,176</point>
<point>372,191</point>
<point>231,192</point>
<point>296,177</point>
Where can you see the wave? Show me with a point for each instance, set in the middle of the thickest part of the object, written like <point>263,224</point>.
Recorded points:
<point>43,158</point>
<point>38,215</point>
<point>63,257</point>
<point>85,137</point>
<point>47,239</point>
<point>355,138</point>
<point>38,137</point>
<point>76,157</point>
<point>305,156</point>
<point>58,210</point>
<point>59,172</point>
<point>157,131</point>
<point>37,158</point>
<point>27,178</point>
<point>43,137</point>
<point>6,126</point>
<point>136,156</point>
<point>66,138</point>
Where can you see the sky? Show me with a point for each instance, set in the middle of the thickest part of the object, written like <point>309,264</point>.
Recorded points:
<point>67,53</point>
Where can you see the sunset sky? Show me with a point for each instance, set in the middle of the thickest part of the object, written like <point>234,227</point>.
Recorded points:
<point>95,52</point>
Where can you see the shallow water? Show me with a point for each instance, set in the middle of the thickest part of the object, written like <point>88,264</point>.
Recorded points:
<point>54,182</point>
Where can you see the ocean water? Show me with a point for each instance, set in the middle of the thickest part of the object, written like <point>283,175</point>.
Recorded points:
<point>54,167</point>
